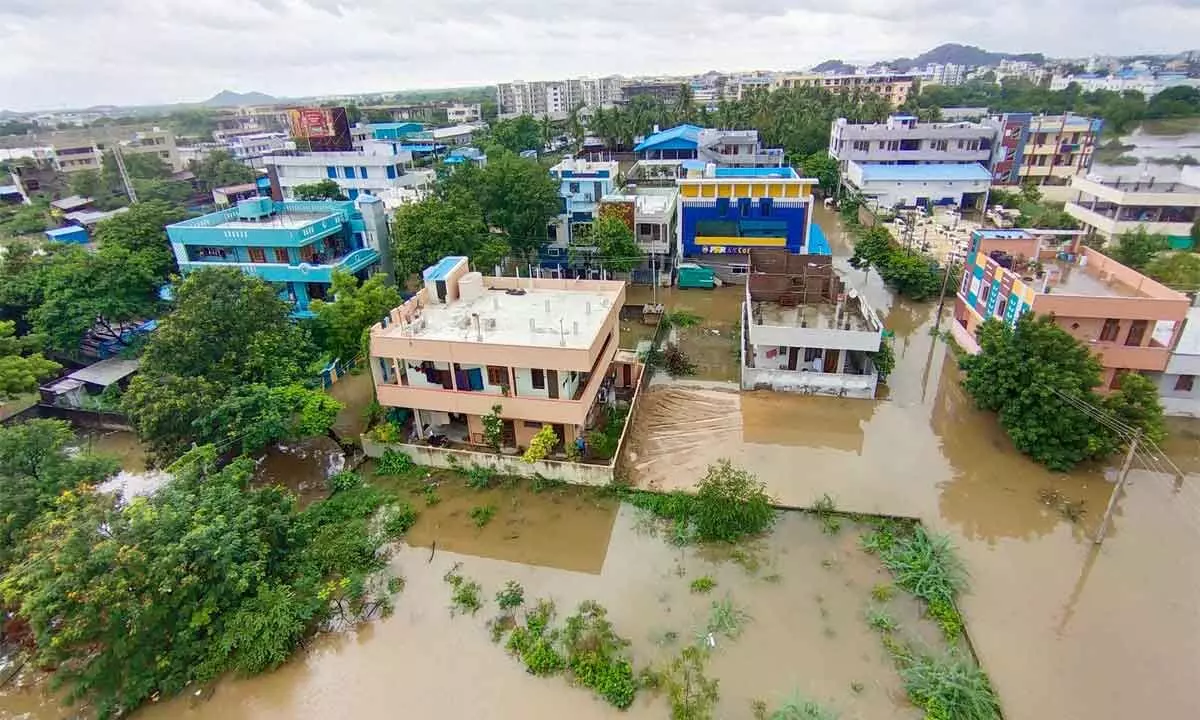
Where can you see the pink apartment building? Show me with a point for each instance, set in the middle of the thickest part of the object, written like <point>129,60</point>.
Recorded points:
<point>1130,321</point>
<point>542,349</point>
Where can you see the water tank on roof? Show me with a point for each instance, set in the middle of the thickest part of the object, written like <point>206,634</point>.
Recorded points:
<point>255,208</point>
<point>470,286</point>
<point>710,170</point>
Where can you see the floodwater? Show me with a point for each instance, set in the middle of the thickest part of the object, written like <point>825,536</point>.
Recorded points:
<point>1063,630</point>
<point>1156,140</point>
<point>806,633</point>
<point>712,344</point>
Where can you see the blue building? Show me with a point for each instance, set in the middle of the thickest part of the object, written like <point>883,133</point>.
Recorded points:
<point>294,245</point>
<point>724,148</point>
<point>581,185</point>
<point>726,212</point>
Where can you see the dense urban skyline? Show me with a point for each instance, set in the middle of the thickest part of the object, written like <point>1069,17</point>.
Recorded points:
<point>131,53</point>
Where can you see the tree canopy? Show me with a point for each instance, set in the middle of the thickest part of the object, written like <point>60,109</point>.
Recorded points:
<point>516,135</point>
<point>340,326</point>
<point>1021,374</point>
<point>141,230</point>
<point>614,244</point>
<point>21,365</point>
<point>426,231</point>
<point>322,190</point>
<point>226,366</point>
<point>206,576</point>
<point>220,169</point>
<point>1178,270</point>
<point>1136,248</point>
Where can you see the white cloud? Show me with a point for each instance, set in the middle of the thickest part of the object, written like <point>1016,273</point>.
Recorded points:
<point>73,53</point>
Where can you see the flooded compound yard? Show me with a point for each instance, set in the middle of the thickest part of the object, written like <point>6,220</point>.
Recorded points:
<point>710,330</point>
<point>800,599</point>
<point>1063,628</point>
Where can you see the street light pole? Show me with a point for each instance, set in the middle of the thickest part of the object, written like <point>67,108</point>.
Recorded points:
<point>1112,500</point>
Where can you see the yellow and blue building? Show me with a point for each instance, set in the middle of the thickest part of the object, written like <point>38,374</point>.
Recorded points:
<point>293,245</point>
<point>726,212</point>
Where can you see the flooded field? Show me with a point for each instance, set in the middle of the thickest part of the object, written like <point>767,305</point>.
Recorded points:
<point>806,632</point>
<point>1154,145</point>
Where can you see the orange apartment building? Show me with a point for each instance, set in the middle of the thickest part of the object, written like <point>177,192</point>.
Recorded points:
<point>542,349</point>
<point>1130,321</point>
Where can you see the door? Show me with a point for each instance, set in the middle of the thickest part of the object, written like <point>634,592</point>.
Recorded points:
<point>475,378</point>
<point>793,358</point>
<point>626,375</point>
<point>508,434</point>
<point>552,384</point>
<point>1137,329</point>
<point>831,360</point>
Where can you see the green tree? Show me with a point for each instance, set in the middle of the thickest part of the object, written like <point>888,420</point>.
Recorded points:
<point>341,326</point>
<point>21,366</point>
<point>541,445</point>
<point>204,577</point>
<point>141,231</point>
<point>24,219</point>
<point>517,134</point>
<point>872,249</point>
<point>84,291</point>
<point>1179,270</point>
<point>913,275</point>
<point>1136,248</point>
<point>1021,374</point>
<point>493,428</point>
<point>824,168</point>
<point>519,198</point>
<point>323,190</point>
<point>426,231</point>
<point>220,169</point>
<point>35,467</point>
<point>615,245</point>
<point>231,328</point>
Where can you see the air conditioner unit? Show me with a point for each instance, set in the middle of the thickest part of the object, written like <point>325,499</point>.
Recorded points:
<point>489,323</point>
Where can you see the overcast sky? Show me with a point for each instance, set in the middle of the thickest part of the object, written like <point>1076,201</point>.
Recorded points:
<point>74,53</point>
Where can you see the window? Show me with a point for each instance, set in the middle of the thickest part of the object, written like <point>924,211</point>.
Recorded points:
<point>573,187</point>
<point>281,255</point>
<point>893,145</point>
<point>349,172</point>
<point>362,173</point>
<point>862,145</point>
<point>497,375</point>
<point>532,424</point>
<point>538,379</point>
<point>391,172</point>
<point>1001,307</point>
<point>1115,383</point>
<point>941,145</point>
<point>330,171</point>
<point>1110,330</point>
<point>1137,330</point>
<point>1183,383</point>
<point>257,255</point>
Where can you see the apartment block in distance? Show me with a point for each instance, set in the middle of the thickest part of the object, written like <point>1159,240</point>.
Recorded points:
<point>804,330</point>
<point>893,87</point>
<point>1107,208</point>
<point>1043,149</point>
<point>295,246</point>
<point>1130,321</point>
<point>541,349</point>
<point>556,98</point>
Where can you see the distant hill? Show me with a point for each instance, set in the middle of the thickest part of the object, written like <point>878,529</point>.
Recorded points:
<point>833,66</point>
<point>953,53</point>
<point>229,98</point>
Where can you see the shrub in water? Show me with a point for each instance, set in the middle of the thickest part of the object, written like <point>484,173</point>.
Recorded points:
<point>401,517</point>
<point>343,481</point>
<point>394,463</point>
<point>731,504</point>
<point>512,596</point>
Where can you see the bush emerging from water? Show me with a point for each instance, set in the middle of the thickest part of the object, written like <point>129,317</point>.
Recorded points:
<point>730,504</point>
<point>949,688</point>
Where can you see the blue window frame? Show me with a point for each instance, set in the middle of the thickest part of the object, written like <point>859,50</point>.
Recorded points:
<point>764,206</point>
<point>744,207</point>
<point>391,172</point>
<point>362,172</point>
<point>352,193</point>
<point>349,172</point>
<point>331,171</point>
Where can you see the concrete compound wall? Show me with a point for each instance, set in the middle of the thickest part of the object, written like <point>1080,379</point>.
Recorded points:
<point>846,385</point>
<point>574,473</point>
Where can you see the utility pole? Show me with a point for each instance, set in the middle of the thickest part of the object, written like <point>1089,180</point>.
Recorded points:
<point>120,159</point>
<point>1112,500</point>
<point>942,297</point>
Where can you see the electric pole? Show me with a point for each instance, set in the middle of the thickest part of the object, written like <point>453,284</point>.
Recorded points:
<point>1112,500</point>
<point>942,297</point>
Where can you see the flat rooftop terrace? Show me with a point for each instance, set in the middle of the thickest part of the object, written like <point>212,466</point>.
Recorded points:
<point>818,315</point>
<point>288,221</point>
<point>1075,280</point>
<point>533,318</point>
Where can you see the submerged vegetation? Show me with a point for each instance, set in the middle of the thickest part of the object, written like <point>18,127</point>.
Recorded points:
<point>730,504</point>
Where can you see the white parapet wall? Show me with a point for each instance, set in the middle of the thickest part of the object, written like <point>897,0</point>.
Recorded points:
<point>807,382</point>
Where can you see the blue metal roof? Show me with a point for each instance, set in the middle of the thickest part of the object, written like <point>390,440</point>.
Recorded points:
<point>680,137</point>
<point>66,232</point>
<point>443,267</point>
<point>781,172</point>
<point>420,147</point>
<point>414,126</point>
<point>904,173</point>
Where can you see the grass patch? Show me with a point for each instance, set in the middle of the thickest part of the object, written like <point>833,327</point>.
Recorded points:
<point>466,594</point>
<point>482,514</point>
<point>431,495</point>
<point>881,620</point>
<point>798,707</point>
<point>703,585</point>
<point>511,596</point>
<point>725,618</point>
<point>882,592</point>
<point>479,477</point>
<point>682,319</point>
<point>950,687</point>
<point>826,508</point>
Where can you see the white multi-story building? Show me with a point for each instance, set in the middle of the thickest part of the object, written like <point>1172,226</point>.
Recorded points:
<point>1148,84</point>
<point>944,74</point>
<point>904,140</point>
<point>252,147</point>
<point>458,113</point>
<point>556,98</point>
<point>1108,208</point>
<point>378,169</point>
